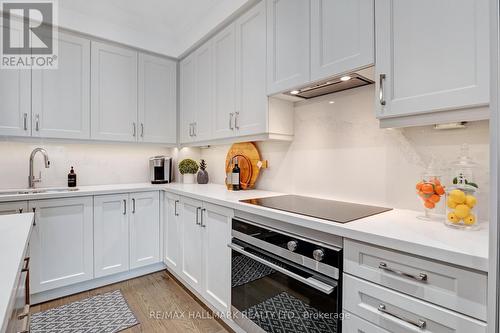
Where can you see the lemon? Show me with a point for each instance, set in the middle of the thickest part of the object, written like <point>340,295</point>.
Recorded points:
<point>451,204</point>
<point>453,218</point>
<point>458,196</point>
<point>470,200</point>
<point>470,220</point>
<point>462,211</point>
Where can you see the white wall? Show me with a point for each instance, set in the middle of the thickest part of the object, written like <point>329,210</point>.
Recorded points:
<point>95,163</point>
<point>340,152</point>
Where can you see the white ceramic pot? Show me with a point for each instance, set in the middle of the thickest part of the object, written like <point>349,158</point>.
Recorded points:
<point>188,178</point>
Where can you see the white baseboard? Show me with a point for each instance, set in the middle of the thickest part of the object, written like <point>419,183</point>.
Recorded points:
<point>49,295</point>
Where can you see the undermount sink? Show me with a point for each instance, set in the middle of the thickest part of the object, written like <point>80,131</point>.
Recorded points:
<point>38,190</point>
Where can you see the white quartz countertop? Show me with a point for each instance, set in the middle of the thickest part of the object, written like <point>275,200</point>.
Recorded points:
<point>397,229</point>
<point>14,236</point>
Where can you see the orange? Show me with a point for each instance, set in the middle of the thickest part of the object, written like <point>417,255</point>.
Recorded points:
<point>436,181</point>
<point>429,204</point>
<point>439,189</point>
<point>419,186</point>
<point>434,198</point>
<point>427,188</point>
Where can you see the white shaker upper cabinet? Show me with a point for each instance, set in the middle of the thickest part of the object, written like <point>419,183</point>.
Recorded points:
<point>114,93</point>
<point>431,56</point>
<point>288,44</point>
<point>157,100</point>
<point>224,84</point>
<point>15,97</point>
<point>252,104</point>
<point>204,80</point>
<point>188,98</point>
<point>61,97</point>
<point>342,36</point>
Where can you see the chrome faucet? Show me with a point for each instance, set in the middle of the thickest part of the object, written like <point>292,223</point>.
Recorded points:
<point>32,180</point>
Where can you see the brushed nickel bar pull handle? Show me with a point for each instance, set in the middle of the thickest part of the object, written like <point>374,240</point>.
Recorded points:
<point>124,207</point>
<point>142,130</point>
<point>422,277</point>
<point>381,89</point>
<point>231,115</point>
<point>133,205</point>
<point>25,121</point>
<point>203,225</point>
<point>37,123</point>
<point>134,129</point>
<point>198,215</point>
<point>175,208</point>
<point>417,323</point>
<point>191,129</point>
<point>195,128</point>
<point>236,117</point>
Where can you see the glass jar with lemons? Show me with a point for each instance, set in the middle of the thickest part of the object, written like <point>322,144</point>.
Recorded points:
<point>461,196</point>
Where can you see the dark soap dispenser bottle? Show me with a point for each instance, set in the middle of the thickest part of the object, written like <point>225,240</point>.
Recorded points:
<point>72,178</point>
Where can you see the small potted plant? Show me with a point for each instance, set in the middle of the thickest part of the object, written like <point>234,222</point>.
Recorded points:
<point>188,169</point>
<point>202,176</point>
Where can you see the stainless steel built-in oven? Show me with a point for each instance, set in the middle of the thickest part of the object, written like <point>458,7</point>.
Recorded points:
<point>283,281</point>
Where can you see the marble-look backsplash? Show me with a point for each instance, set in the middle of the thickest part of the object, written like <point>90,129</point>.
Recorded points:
<point>339,152</point>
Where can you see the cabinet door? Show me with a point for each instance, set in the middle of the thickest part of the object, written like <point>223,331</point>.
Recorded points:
<point>342,36</point>
<point>216,227</point>
<point>157,99</point>
<point>17,207</point>
<point>114,93</point>
<point>287,44</point>
<point>188,98</point>
<point>111,244</point>
<point>144,229</point>
<point>172,232</point>
<point>15,97</point>
<point>251,107</point>
<point>434,55</point>
<point>204,82</point>
<point>61,244</point>
<point>61,97</point>
<point>191,242</point>
<point>224,84</point>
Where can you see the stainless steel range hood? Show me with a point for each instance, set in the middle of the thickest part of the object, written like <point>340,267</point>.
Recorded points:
<point>334,84</point>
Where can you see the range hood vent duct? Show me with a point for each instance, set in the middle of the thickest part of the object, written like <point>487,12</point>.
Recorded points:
<point>331,86</point>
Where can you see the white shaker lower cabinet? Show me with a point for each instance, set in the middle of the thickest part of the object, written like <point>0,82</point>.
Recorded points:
<point>144,228</point>
<point>172,231</point>
<point>354,324</point>
<point>216,229</point>
<point>205,257</point>
<point>16,207</point>
<point>191,242</point>
<point>419,71</point>
<point>111,234</point>
<point>61,243</point>
<point>401,313</point>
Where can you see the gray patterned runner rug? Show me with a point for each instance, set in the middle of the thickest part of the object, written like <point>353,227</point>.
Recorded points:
<point>106,313</point>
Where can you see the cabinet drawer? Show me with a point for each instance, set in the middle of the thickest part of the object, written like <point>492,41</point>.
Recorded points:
<point>455,288</point>
<point>400,313</point>
<point>354,324</point>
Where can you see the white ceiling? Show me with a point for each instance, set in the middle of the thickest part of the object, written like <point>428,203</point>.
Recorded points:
<point>169,27</point>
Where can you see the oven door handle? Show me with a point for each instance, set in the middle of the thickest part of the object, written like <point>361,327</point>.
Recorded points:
<point>311,282</point>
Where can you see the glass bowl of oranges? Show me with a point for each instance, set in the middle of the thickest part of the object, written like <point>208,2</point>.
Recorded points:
<point>430,190</point>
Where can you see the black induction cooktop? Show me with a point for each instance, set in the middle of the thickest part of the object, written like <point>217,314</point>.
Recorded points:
<point>335,211</point>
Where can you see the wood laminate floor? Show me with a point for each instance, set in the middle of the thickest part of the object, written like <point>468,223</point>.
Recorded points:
<point>151,293</point>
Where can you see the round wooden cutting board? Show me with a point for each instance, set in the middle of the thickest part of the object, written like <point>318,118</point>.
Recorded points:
<point>249,162</point>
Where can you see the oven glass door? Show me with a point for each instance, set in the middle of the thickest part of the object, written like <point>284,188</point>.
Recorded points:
<point>272,294</point>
